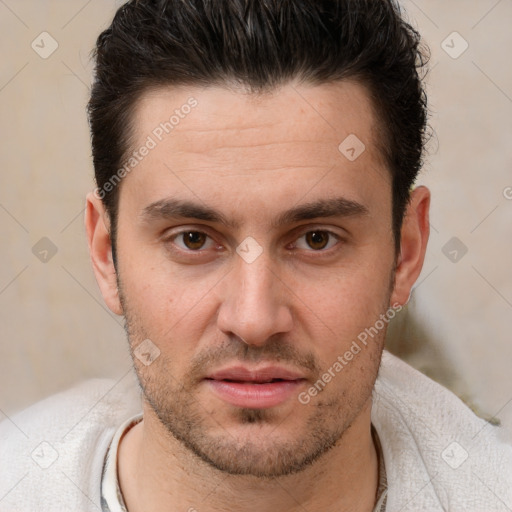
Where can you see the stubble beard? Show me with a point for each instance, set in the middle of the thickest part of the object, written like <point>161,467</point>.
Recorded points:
<point>277,453</point>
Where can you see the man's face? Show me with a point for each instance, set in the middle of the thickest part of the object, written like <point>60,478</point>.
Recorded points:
<point>256,288</point>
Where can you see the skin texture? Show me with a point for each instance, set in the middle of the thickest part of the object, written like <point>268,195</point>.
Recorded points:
<point>300,304</point>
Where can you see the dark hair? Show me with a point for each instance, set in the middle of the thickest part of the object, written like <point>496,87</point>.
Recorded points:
<point>261,44</point>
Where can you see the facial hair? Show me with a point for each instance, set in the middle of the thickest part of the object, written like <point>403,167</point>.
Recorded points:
<point>173,398</point>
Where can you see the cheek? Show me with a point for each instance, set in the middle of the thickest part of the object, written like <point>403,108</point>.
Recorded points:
<point>169,303</point>
<point>346,341</point>
<point>339,308</point>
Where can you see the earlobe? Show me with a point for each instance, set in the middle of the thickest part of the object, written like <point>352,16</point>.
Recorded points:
<point>100,250</point>
<point>413,245</point>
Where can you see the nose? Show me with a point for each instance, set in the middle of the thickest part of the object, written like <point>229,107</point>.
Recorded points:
<point>256,302</point>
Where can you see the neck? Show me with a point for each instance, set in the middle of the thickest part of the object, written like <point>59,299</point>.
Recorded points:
<point>156,472</point>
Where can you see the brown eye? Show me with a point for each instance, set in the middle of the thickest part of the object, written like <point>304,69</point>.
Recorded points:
<point>193,239</point>
<point>317,239</point>
<point>190,245</point>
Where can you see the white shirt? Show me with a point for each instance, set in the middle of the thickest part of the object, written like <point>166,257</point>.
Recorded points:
<point>112,497</point>
<point>439,456</point>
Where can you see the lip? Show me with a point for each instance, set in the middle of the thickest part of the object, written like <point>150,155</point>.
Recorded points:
<point>244,374</point>
<point>250,388</point>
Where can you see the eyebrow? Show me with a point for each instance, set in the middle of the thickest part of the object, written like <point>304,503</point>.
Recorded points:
<point>177,209</point>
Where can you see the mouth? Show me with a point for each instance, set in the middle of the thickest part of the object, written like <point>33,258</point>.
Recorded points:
<point>253,381</point>
<point>255,388</point>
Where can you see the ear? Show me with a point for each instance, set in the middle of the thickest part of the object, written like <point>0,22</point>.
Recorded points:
<point>100,249</point>
<point>413,244</point>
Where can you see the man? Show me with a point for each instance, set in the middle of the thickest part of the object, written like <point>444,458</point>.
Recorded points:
<point>255,222</point>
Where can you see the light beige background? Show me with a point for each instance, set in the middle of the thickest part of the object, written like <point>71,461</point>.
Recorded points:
<point>55,329</point>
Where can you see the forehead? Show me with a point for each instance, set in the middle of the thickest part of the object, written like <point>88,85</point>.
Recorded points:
<point>330,112</point>
<point>295,132</point>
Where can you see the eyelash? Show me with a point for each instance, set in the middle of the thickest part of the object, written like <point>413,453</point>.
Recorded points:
<point>170,239</point>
